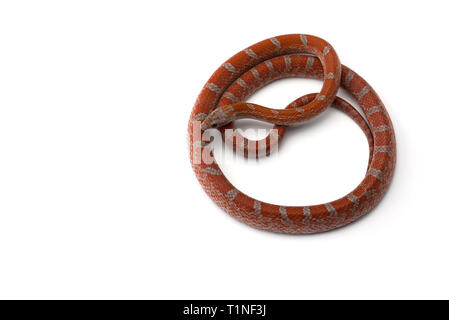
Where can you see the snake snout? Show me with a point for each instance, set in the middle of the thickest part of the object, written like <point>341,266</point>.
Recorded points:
<point>217,118</point>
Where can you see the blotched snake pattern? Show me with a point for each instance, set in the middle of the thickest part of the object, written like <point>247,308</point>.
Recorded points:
<point>222,100</point>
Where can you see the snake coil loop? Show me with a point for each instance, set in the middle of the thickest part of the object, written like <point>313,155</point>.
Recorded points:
<point>222,100</point>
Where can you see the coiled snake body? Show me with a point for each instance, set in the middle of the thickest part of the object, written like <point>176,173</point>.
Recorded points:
<point>221,101</point>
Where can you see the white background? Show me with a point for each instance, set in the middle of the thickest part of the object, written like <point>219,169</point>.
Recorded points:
<point>97,196</point>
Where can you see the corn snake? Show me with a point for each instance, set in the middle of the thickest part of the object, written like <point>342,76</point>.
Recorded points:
<point>221,101</point>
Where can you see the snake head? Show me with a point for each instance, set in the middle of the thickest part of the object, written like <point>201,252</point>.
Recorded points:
<point>218,118</point>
